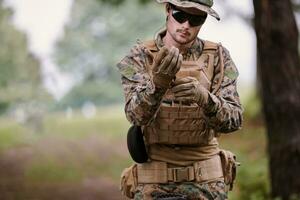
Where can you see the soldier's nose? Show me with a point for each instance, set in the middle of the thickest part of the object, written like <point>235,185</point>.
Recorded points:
<point>186,24</point>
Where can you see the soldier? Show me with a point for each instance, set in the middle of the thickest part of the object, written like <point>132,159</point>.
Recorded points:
<point>181,91</point>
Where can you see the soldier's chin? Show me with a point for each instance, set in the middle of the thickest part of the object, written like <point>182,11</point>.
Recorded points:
<point>183,40</point>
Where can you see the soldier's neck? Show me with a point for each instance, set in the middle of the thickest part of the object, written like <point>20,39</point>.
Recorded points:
<point>169,42</point>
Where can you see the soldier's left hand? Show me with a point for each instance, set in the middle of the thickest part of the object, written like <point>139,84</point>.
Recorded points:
<point>190,90</point>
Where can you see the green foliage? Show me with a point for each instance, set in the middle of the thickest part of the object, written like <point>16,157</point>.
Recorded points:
<point>253,107</point>
<point>11,134</point>
<point>249,145</point>
<point>253,183</point>
<point>20,78</point>
<point>96,38</point>
<point>3,106</point>
<point>99,92</point>
<point>72,149</point>
<point>109,121</point>
<point>52,171</point>
<point>118,2</point>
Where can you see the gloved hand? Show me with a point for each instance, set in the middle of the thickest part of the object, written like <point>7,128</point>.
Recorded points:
<point>190,90</point>
<point>165,66</point>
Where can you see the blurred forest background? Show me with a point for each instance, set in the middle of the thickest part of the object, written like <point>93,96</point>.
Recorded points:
<point>74,147</point>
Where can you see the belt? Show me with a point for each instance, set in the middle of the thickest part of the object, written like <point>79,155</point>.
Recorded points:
<point>201,171</point>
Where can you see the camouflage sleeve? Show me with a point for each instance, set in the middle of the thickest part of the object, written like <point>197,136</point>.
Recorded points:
<point>224,108</point>
<point>142,99</point>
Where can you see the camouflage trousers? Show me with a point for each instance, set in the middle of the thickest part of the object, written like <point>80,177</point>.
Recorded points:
<point>189,191</point>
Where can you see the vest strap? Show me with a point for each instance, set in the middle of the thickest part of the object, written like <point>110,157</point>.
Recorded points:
<point>210,46</point>
<point>150,44</point>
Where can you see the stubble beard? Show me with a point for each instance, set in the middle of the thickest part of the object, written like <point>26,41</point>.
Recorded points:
<point>177,37</point>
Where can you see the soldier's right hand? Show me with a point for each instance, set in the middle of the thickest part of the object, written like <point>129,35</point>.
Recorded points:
<point>165,66</point>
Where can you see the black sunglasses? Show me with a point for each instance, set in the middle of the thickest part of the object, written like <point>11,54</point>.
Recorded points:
<point>181,17</point>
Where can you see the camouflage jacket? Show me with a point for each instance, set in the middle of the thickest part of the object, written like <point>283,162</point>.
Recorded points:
<point>143,99</point>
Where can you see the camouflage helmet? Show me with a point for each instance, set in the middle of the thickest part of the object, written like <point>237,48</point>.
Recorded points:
<point>202,5</point>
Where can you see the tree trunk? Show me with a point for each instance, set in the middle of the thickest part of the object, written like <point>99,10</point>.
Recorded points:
<point>279,66</point>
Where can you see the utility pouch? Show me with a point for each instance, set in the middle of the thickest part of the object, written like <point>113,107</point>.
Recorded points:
<point>136,145</point>
<point>129,181</point>
<point>229,166</point>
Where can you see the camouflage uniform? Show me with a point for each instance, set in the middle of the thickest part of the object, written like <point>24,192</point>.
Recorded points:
<point>192,191</point>
<point>143,100</point>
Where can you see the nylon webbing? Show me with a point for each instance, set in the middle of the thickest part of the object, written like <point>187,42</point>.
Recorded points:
<point>201,171</point>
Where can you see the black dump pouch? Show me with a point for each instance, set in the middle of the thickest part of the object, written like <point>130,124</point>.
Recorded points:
<point>136,145</point>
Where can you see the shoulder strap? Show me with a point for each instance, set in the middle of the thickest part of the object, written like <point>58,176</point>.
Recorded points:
<point>212,48</point>
<point>151,50</point>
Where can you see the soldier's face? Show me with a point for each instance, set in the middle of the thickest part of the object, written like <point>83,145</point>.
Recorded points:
<point>182,33</point>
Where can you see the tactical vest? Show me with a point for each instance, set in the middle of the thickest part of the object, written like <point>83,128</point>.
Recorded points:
<point>177,123</point>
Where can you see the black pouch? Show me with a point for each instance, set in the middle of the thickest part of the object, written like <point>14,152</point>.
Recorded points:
<point>136,145</point>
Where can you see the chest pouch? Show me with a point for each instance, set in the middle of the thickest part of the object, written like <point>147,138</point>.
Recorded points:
<point>179,122</point>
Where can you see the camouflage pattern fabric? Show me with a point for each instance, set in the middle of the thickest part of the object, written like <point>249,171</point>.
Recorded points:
<point>143,99</point>
<point>189,191</point>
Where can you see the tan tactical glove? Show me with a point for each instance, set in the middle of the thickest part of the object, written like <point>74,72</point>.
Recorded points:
<point>190,90</point>
<point>165,66</point>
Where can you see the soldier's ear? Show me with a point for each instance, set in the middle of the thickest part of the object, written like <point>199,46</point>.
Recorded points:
<point>168,7</point>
